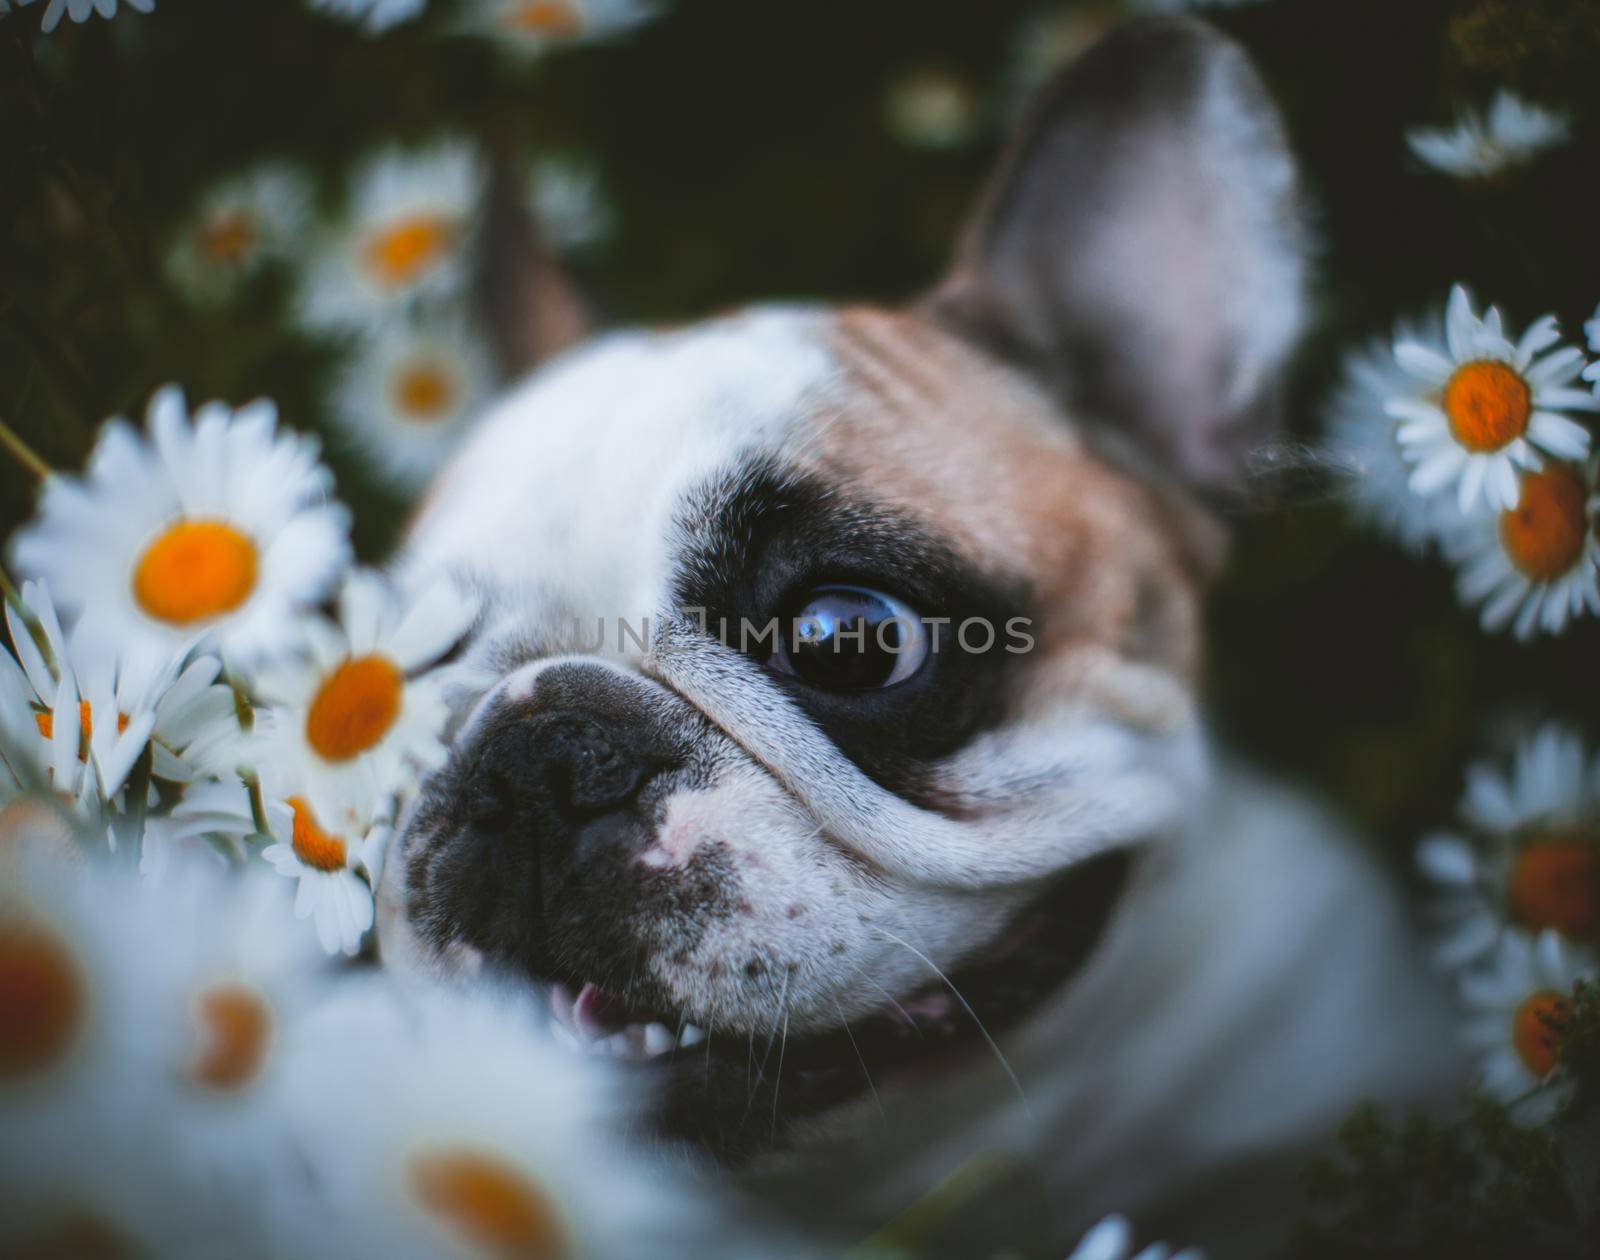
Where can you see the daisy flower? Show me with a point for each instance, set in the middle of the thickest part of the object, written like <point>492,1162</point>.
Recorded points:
<point>238,226</point>
<point>569,205</point>
<point>355,721</point>
<point>217,811</point>
<point>1514,1009</point>
<point>1112,1239</point>
<point>533,27</point>
<point>82,10</point>
<point>507,1145</point>
<point>1487,406</point>
<point>375,16</point>
<point>1361,439</point>
<point>406,238</point>
<point>409,396</point>
<point>1534,566</point>
<point>1591,329</point>
<point>335,871</point>
<point>61,751</point>
<point>1478,147</point>
<point>1531,856</point>
<point>218,531</point>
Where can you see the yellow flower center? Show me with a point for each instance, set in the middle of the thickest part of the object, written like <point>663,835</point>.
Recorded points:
<point>400,252</point>
<point>1555,883</point>
<point>1488,405</point>
<point>195,570</point>
<point>489,1203</point>
<point>41,1000</point>
<point>235,1025</point>
<point>424,390</point>
<point>354,707</point>
<point>320,850</point>
<point>227,238</point>
<point>544,17</point>
<point>1534,1030</point>
<point>1544,534</point>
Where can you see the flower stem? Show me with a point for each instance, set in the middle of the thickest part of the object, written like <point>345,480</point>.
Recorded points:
<point>22,452</point>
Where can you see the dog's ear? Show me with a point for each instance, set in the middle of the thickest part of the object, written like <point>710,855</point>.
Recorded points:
<point>1141,249</point>
<point>532,309</point>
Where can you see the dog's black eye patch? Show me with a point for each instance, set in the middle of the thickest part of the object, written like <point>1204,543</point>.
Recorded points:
<point>755,546</point>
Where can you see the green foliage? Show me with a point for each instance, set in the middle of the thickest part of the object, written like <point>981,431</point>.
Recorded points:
<point>1482,1188</point>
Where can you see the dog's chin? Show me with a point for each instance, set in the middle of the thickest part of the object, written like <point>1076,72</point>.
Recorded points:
<point>735,1094</point>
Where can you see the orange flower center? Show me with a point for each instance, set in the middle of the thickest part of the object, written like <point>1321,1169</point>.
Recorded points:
<point>1555,883</point>
<point>320,850</point>
<point>41,1000</point>
<point>46,722</point>
<point>1544,534</point>
<point>195,570</point>
<point>488,1202</point>
<point>398,254</point>
<point>228,238</point>
<point>424,390</point>
<point>544,17</point>
<point>1488,405</point>
<point>354,707</point>
<point>1534,1030</point>
<point>235,1025</point>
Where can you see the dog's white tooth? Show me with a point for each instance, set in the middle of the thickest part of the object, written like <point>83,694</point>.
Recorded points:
<point>634,1036</point>
<point>566,1037</point>
<point>616,1045</point>
<point>691,1035</point>
<point>657,1039</point>
<point>561,1003</point>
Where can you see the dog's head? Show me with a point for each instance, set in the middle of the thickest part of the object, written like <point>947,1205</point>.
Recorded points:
<point>838,664</point>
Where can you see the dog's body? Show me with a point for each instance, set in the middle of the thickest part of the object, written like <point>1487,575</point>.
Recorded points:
<point>897,906</point>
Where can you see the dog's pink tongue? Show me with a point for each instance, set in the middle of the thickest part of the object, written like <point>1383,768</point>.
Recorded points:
<point>597,1013</point>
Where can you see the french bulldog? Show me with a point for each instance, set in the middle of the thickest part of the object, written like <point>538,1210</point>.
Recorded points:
<point>836,758</point>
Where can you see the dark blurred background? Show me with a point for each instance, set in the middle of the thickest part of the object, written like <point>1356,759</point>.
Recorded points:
<point>831,149</point>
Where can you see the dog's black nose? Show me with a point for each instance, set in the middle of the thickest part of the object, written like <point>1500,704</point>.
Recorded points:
<point>556,771</point>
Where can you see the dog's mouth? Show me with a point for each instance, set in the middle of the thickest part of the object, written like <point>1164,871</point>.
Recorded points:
<point>736,1093</point>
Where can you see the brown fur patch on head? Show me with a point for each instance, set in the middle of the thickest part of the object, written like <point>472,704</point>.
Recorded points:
<point>931,427</point>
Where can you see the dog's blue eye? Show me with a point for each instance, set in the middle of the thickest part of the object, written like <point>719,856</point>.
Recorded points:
<point>848,638</point>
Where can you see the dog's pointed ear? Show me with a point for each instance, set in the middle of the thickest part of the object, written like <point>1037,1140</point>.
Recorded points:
<point>532,309</point>
<point>1141,248</point>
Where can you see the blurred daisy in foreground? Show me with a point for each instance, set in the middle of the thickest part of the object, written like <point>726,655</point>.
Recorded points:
<point>375,16</point>
<point>1514,1011</point>
<point>1488,406</point>
<point>1533,859</point>
<point>220,530</point>
<point>353,723</point>
<point>336,871</point>
<point>1535,566</point>
<point>1479,146</point>
<point>534,27</point>
<point>507,1145</point>
<point>1361,439</point>
<point>408,397</point>
<point>1112,1239</point>
<point>238,226</point>
<point>406,238</point>
<point>569,204</point>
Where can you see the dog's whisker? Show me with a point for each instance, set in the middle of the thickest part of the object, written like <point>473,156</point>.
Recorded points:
<point>966,1006</point>
<point>861,1059</point>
